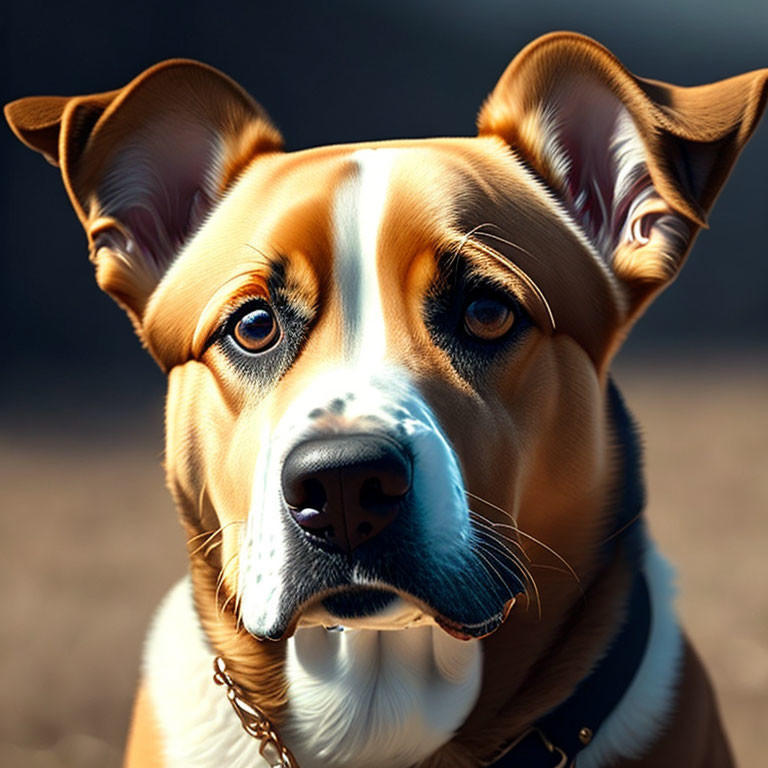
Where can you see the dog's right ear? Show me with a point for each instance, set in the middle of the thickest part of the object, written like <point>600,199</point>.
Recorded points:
<point>636,164</point>
<point>145,164</point>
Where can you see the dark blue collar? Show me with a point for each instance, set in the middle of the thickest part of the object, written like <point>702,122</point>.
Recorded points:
<point>558,737</point>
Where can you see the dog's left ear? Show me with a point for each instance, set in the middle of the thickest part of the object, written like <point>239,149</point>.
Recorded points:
<point>145,164</point>
<point>637,163</point>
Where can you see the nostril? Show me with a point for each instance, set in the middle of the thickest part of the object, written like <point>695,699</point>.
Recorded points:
<point>372,495</point>
<point>392,475</point>
<point>314,495</point>
<point>302,491</point>
<point>370,492</point>
<point>308,507</point>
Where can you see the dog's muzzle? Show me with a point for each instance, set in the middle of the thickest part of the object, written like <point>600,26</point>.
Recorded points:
<point>359,516</point>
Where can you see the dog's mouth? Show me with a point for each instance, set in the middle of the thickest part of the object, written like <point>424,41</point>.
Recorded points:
<point>399,580</point>
<point>384,609</point>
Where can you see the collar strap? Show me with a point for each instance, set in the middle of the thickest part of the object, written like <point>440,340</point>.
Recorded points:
<point>556,739</point>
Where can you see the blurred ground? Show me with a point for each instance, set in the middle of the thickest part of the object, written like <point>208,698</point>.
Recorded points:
<point>89,543</point>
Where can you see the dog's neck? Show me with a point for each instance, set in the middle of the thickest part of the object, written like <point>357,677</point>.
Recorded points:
<point>179,671</point>
<point>392,698</point>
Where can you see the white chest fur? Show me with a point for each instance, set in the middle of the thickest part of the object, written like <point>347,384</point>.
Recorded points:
<point>383,699</point>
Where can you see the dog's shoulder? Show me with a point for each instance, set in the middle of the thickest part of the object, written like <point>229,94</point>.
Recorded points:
<point>144,748</point>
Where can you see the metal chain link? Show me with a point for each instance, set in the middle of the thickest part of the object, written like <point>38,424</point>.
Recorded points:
<point>254,721</point>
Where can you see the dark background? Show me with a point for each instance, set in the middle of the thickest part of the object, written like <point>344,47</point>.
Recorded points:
<point>88,542</point>
<point>338,72</point>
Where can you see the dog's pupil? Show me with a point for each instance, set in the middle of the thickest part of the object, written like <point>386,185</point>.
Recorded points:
<point>488,318</point>
<point>255,329</point>
<point>257,324</point>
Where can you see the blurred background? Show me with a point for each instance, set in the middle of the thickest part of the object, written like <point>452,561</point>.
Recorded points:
<point>88,537</point>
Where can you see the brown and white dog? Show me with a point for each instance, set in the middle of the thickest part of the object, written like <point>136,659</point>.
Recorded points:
<point>411,491</point>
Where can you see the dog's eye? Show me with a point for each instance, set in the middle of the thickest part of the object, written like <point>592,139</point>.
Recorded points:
<point>488,318</point>
<point>257,329</point>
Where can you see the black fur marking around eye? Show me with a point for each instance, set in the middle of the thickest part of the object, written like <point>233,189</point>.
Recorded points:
<point>444,311</point>
<point>266,368</point>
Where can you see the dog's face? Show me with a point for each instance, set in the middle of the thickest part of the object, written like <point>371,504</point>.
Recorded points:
<point>387,362</point>
<point>364,356</point>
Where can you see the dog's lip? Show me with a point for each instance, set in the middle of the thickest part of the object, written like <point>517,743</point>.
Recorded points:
<point>310,615</point>
<point>476,631</point>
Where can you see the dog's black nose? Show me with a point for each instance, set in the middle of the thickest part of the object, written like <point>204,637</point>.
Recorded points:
<point>345,489</point>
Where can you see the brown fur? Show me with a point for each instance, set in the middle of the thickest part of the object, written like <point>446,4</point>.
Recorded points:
<point>541,416</point>
<point>144,746</point>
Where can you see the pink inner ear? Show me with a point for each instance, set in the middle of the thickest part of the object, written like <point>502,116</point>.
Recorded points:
<point>600,159</point>
<point>160,187</point>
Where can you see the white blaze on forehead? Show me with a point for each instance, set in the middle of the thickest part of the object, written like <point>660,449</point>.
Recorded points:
<point>358,211</point>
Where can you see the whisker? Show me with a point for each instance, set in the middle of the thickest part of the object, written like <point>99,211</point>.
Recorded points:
<point>484,557</point>
<point>549,549</point>
<point>488,525</point>
<point>465,237</point>
<point>528,577</point>
<point>489,540</point>
<point>227,602</point>
<point>490,504</point>
<point>484,527</point>
<point>211,535</point>
<point>622,529</point>
<point>530,587</point>
<point>503,240</point>
<point>200,497</point>
<point>484,565</point>
<point>213,546</point>
<point>555,569</point>
<point>257,250</point>
<point>547,567</point>
<point>517,270</point>
<point>198,536</point>
<point>222,575</point>
<point>521,532</point>
<point>238,592</point>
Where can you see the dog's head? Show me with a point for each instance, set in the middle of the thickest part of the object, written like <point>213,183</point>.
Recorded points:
<point>388,362</point>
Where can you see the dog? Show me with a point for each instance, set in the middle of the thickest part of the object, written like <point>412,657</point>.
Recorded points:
<point>412,494</point>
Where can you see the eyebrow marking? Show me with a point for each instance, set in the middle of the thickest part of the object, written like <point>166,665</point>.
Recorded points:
<point>260,252</point>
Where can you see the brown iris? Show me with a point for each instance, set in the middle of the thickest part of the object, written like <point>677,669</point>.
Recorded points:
<point>488,318</point>
<point>257,330</point>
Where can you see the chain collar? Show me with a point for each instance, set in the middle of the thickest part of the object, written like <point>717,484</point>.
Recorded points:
<point>255,723</point>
